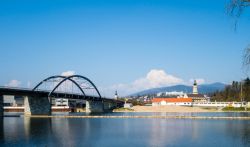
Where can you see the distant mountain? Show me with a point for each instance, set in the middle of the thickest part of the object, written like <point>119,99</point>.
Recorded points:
<point>203,89</point>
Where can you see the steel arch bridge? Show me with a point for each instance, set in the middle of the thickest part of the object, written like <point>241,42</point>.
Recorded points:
<point>37,101</point>
<point>59,80</point>
<point>84,88</point>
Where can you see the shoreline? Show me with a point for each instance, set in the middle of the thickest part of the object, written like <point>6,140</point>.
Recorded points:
<point>162,109</point>
<point>171,109</point>
<point>183,112</point>
<point>145,117</point>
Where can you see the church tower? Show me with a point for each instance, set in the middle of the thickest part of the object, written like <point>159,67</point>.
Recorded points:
<point>116,95</point>
<point>195,87</point>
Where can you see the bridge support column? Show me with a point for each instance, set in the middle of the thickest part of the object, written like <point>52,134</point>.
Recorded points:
<point>109,106</point>
<point>37,106</point>
<point>94,107</point>
<point>1,106</point>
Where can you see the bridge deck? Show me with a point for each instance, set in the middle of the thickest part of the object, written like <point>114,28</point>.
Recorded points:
<point>30,92</point>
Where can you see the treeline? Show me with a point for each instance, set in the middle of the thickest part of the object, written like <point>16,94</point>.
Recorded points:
<point>237,91</point>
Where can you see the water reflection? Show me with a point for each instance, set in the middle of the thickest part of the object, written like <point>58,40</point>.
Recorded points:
<point>74,132</point>
<point>170,132</point>
<point>18,131</point>
<point>1,130</point>
<point>239,128</point>
<point>36,130</point>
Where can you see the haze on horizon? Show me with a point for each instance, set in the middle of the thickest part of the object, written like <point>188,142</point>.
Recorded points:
<point>126,45</point>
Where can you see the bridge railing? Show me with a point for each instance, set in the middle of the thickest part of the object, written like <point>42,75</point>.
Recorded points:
<point>41,90</point>
<point>17,88</point>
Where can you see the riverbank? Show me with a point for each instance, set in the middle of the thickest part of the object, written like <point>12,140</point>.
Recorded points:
<point>180,109</point>
<point>145,117</point>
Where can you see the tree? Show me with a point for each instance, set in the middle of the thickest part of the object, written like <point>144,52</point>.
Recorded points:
<point>235,9</point>
<point>246,90</point>
<point>246,58</point>
<point>233,92</point>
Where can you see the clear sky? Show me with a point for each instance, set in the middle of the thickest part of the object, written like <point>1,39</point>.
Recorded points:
<point>118,44</point>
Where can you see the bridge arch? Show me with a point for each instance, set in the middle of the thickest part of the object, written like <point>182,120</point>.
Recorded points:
<point>58,76</point>
<point>64,79</point>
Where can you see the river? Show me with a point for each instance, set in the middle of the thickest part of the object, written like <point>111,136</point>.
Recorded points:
<point>137,132</point>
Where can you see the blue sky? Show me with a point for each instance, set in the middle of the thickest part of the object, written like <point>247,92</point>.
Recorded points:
<point>119,44</point>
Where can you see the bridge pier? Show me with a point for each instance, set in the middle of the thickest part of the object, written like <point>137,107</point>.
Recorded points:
<point>100,106</point>
<point>1,106</point>
<point>37,106</point>
<point>94,107</point>
<point>109,106</point>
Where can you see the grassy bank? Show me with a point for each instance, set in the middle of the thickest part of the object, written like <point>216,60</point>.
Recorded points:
<point>235,109</point>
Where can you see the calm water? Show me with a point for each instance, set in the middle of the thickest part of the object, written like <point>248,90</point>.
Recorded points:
<point>20,131</point>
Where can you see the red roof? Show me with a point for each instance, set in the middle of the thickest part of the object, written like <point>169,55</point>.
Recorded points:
<point>173,100</point>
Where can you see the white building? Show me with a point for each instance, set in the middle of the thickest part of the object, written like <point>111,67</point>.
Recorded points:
<point>9,100</point>
<point>61,102</point>
<point>172,101</point>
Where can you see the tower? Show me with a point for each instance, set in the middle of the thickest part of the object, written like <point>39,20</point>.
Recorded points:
<point>195,87</point>
<point>116,95</point>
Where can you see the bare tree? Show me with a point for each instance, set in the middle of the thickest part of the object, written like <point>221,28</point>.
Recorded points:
<point>246,59</point>
<point>235,9</point>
